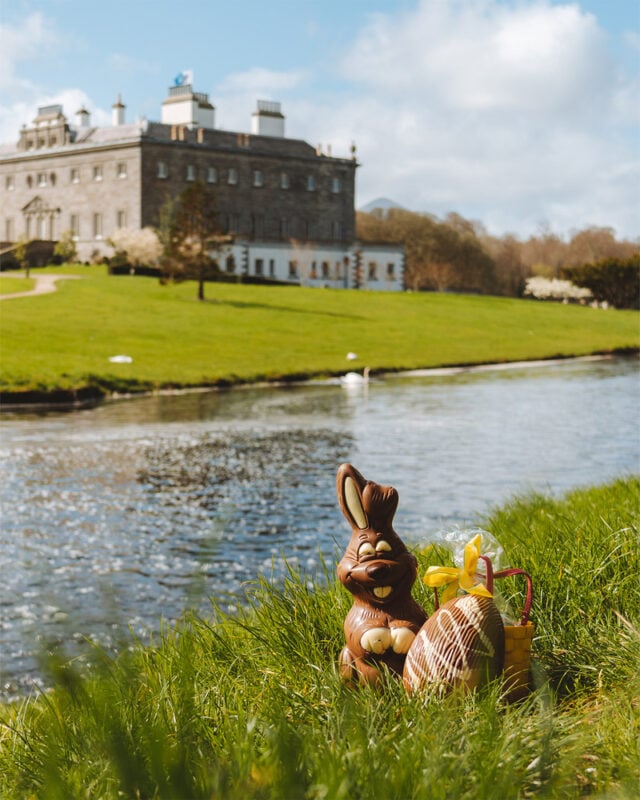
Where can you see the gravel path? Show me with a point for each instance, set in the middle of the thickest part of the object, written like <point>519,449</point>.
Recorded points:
<point>44,284</point>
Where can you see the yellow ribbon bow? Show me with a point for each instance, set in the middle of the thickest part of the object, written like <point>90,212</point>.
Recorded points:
<point>459,577</point>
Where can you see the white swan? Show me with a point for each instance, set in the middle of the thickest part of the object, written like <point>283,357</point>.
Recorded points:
<point>355,378</point>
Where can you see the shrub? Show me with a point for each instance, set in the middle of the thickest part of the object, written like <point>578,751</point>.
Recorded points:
<point>613,280</point>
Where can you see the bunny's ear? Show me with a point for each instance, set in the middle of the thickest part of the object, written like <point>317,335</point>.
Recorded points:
<point>349,485</point>
<point>354,503</point>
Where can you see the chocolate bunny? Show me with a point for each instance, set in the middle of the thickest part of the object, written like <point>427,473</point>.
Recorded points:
<point>379,572</point>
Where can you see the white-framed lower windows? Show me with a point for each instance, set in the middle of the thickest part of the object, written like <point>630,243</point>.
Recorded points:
<point>212,175</point>
<point>97,226</point>
<point>121,218</point>
<point>163,170</point>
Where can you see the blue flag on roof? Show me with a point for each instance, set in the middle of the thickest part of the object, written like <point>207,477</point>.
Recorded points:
<point>183,78</point>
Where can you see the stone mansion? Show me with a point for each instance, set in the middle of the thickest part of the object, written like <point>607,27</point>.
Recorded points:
<point>287,206</point>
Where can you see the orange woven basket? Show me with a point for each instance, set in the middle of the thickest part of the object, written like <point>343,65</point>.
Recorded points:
<point>517,645</point>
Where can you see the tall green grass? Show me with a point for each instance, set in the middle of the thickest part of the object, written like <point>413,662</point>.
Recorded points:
<point>251,706</point>
<point>248,333</point>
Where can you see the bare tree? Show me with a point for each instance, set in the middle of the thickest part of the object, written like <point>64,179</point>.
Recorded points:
<point>194,232</point>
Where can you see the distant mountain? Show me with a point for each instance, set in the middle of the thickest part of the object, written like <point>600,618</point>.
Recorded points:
<point>382,203</point>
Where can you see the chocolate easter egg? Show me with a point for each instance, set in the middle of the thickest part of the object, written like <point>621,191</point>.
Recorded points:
<point>461,645</point>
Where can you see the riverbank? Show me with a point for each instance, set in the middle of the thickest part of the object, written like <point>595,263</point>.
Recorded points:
<point>108,336</point>
<point>250,705</point>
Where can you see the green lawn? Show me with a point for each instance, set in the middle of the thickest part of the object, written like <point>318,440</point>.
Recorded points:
<point>248,333</point>
<point>10,285</point>
<point>251,706</point>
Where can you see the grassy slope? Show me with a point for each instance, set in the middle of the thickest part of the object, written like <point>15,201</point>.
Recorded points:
<point>246,333</point>
<point>13,285</point>
<point>251,707</point>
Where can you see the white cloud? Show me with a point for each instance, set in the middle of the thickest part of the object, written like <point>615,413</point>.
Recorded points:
<point>506,112</point>
<point>235,96</point>
<point>22,43</point>
<point>34,38</point>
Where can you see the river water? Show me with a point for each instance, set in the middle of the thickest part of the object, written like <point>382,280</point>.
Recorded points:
<point>116,517</point>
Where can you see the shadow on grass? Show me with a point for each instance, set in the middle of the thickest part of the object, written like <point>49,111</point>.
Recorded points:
<point>287,309</point>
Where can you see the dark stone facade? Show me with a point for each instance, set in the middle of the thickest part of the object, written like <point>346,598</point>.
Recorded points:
<point>95,180</point>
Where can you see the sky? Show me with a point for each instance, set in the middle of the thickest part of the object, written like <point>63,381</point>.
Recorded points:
<point>523,115</point>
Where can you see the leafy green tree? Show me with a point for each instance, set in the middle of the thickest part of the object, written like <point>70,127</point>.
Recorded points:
<point>612,280</point>
<point>65,247</point>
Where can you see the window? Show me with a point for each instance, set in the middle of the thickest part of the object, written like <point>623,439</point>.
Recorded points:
<point>212,175</point>
<point>74,175</point>
<point>232,177</point>
<point>42,179</point>
<point>97,226</point>
<point>338,271</point>
<point>336,185</point>
<point>314,272</point>
<point>8,230</point>
<point>391,271</point>
<point>121,170</point>
<point>121,218</point>
<point>231,263</point>
<point>29,181</point>
<point>293,269</point>
<point>272,267</point>
<point>97,172</point>
<point>311,183</point>
<point>8,183</point>
<point>259,264</point>
<point>325,270</point>
<point>74,224</point>
<point>258,177</point>
<point>284,180</point>
<point>163,170</point>
<point>373,271</point>
<point>52,179</point>
<point>191,172</point>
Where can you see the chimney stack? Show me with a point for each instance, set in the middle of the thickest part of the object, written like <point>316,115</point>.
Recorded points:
<point>82,118</point>
<point>268,119</point>
<point>117,112</point>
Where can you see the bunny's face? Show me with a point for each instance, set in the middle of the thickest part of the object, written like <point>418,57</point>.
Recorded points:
<point>376,568</point>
